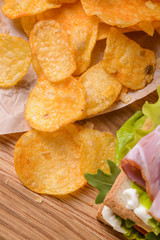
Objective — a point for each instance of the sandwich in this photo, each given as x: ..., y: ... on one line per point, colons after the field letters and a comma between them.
x: 130, y: 194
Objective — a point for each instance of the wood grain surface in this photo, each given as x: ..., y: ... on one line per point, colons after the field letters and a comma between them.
x: 25, y: 215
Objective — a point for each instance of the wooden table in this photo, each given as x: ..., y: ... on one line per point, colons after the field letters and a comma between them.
x: 29, y: 216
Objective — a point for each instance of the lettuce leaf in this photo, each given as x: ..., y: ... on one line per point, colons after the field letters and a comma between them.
x: 143, y: 196
x: 131, y: 131
x: 146, y: 202
x: 153, y: 111
x: 126, y: 134
x: 155, y: 225
x: 131, y: 232
x: 152, y: 236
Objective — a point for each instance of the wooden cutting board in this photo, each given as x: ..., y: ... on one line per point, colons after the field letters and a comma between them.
x: 25, y: 215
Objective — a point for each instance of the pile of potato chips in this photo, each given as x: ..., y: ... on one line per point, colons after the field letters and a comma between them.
x: 54, y: 163
x: 54, y: 155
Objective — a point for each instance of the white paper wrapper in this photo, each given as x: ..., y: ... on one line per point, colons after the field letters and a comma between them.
x: 12, y: 100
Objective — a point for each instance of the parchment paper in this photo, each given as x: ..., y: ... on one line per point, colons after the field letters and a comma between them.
x: 12, y: 100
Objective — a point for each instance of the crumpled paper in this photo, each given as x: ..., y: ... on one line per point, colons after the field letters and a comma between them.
x: 12, y: 100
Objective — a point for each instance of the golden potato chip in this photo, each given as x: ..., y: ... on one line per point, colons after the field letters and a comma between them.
x: 102, y: 89
x: 53, y: 105
x: 82, y: 31
x: 146, y: 27
x: 49, y: 163
x: 36, y: 65
x: 123, y: 13
x: 133, y: 65
x: 51, y: 45
x: 15, y: 9
x: 15, y: 59
x: 96, y: 148
x: 124, y: 96
x: 156, y: 25
x: 49, y: 14
x: 28, y: 23
x: 104, y: 29
x: 67, y: 1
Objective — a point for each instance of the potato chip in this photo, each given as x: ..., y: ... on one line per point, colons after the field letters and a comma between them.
x: 49, y: 163
x: 49, y: 14
x: 156, y: 25
x: 36, y: 65
x: 82, y: 31
x: 28, y: 23
x: 51, y: 45
x: 124, y: 96
x: 102, y: 89
x: 15, y: 9
x: 104, y: 29
x: 133, y: 65
x: 67, y: 1
x: 53, y: 105
x: 146, y: 27
x: 15, y: 59
x: 96, y: 148
x: 122, y: 13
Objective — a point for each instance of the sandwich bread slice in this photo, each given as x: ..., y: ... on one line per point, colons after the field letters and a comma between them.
x: 116, y: 201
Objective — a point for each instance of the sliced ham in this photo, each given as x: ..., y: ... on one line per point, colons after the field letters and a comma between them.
x: 142, y: 163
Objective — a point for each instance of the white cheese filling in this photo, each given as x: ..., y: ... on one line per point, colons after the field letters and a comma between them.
x: 132, y: 202
x: 131, y: 197
x: 109, y: 216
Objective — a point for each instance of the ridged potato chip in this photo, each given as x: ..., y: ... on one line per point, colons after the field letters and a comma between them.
x: 82, y: 31
x: 133, y: 65
x: 15, y: 59
x: 49, y: 163
x: 28, y: 23
x: 123, y: 13
x: 102, y: 89
x: 96, y: 148
x: 51, y: 45
x: 15, y: 9
x: 54, y: 105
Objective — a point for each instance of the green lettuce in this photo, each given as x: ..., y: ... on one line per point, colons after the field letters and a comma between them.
x: 152, y: 236
x: 126, y: 134
x: 146, y: 202
x: 131, y: 131
x: 143, y: 196
x: 153, y: 111
x: 155, y: 225
x: 131, y: 232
